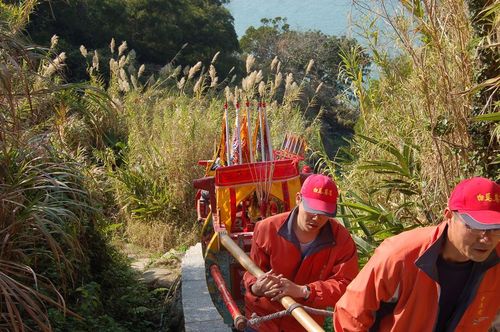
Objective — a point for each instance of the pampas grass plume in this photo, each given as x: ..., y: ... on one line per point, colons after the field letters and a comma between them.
x: 122, y: 48
x: 215, y: 57
x: 309, y: 66
x: 319, y: 87
x: 141, y: 70
x: 194, y: 70
x: 95, y: 60
x: 288, y: 81
x: 274, y: 63
x: 53, y: 41
x: 277, y: 80
x: 262, y: 88
x: 83, y: 51
x: 55, y: 65
x: 181, y: 83
x: 112, y: 45
x: 197, y: 85
x: 249, y: 63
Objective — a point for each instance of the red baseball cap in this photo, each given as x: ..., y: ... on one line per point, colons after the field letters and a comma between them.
x: 319, y: 195
x: 477, y: 200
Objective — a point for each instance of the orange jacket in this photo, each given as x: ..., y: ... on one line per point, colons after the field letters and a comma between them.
x: 398, y: 290
x: 327, y: 268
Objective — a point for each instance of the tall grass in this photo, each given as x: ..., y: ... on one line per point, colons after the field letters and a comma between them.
x: 414, y: 138
x: 172, y: 120
x: 43, y: 203
x: 53, y: 258
x: 44, y: 208
x: 425, y: 103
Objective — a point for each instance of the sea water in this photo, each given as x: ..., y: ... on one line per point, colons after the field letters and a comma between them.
x: 332, y: 17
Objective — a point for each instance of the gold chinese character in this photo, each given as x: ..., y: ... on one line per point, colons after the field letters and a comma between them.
x: 480, y: 197
x: 488, y: 197
x: 497, y: 198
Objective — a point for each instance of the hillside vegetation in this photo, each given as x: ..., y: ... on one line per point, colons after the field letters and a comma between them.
x: 421, y: 124
x: 112, y: 154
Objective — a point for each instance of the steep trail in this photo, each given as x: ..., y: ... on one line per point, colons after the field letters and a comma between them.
x: 200, y: 315
x: 160, y: 273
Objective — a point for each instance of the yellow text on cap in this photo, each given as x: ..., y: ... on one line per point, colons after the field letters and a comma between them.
x: 487, y: 198
x: 323, y: 191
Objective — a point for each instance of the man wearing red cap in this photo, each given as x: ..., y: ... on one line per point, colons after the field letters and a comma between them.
x: 305, y: 253
x: 440, y: 278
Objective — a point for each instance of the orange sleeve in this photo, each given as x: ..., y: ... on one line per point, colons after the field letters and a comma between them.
x: 259, y: 256
x: 377, y: 282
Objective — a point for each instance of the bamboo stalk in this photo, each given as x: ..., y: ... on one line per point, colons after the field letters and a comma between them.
x: 299, y: 313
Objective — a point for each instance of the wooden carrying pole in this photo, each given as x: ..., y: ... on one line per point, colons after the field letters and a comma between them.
x: 298, y: 313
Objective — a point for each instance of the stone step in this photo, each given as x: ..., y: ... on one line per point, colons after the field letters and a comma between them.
x: 200, y: 315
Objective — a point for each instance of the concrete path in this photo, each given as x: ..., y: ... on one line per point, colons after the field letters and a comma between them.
x: 200, y: 314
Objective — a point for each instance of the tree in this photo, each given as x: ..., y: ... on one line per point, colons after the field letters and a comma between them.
x: 161, y: 27
x: 156, y: 29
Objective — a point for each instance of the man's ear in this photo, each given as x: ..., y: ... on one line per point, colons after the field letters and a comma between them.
x: 298, y: 198
x: 448, y: 214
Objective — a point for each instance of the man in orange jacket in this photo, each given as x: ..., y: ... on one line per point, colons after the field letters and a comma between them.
x: 307, y: 254
x: 440, y: 278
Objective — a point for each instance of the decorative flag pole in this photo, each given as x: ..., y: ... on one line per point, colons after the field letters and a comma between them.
x: 295, y: 143
x: 228, y: 152
x: 249, y: 124
x: 287, y: 143
x: 299, y: 149
x: 268, y: 133
x: 283, y: 145
x: 238, y: 133
x: 261, y: 128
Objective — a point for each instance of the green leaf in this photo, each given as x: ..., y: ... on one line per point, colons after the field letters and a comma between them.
x: 112, y: 227
x: 494, y: 117
x: 364, y: 246
x: 361, y: 207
